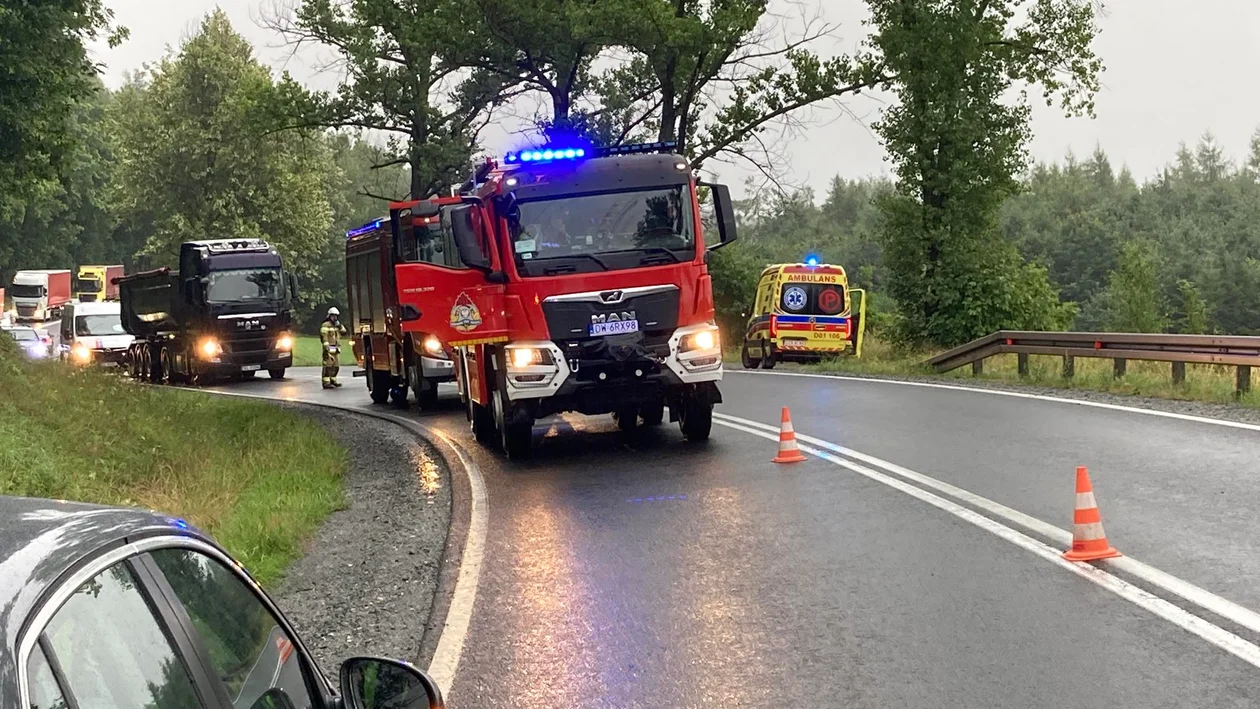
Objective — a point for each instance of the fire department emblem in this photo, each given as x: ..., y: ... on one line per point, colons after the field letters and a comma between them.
x: 464, y: 314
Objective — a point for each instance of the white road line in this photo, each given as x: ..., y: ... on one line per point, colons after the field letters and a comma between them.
x: 1016, y: 394
x: 458, y: 617
x: 1199, y: 596
x: 454, y: 632
x: 1214, y: 634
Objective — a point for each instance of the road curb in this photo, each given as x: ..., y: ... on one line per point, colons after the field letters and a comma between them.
x: 465, y: 539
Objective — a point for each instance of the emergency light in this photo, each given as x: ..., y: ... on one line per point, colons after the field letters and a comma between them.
x: 572, y: 153
x: 370, y: 226
x: 811, y: 260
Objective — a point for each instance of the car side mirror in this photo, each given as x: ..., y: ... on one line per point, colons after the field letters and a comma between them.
x: 725, y: 210
x: 408, y: 312
x: 378, y: 683
x: 464, y: 228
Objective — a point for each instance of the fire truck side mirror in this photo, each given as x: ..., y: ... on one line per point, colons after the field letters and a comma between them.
x: 464, y: 228
x: 724, y: 208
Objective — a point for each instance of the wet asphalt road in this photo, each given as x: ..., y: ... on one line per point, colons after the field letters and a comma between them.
x: 638, y: 570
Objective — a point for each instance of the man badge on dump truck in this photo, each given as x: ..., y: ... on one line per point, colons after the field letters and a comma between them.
x: 464, y: 314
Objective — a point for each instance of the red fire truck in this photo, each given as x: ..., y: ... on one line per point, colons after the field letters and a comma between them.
x: 384, y: 279
x: 580, y: 284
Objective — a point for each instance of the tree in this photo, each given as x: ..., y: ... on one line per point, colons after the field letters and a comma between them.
x: 1134, y: 292
x: 195, y: 162
x: 401, y: 79
x: 44, y: 71
x: 957, y: 145
x: 1192, y: 316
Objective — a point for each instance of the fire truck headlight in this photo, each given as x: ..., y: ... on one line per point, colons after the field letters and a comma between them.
x: 706, y: 339
x: 433, y: 346
x: 526, y: 356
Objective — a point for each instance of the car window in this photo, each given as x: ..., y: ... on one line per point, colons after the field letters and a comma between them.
x: 251, y: 652
x: 45, y: 693
x: 113, y: 652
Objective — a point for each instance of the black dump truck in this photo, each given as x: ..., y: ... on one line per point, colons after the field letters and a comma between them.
x: 226, y: 313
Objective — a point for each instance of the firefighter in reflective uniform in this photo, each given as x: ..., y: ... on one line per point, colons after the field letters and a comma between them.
x: 329, y: 336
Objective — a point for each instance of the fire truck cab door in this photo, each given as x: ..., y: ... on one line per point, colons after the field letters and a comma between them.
x: 456, y: 302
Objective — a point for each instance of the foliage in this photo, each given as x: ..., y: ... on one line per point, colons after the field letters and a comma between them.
x: 44, y: 71
x: 1133, y: 292
x: 194, y: 162
x: 260, y: 480
x: 957, y: 146
x: 402, y: 76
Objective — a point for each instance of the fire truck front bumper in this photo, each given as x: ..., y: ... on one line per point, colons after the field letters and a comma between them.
x: 611, y: 374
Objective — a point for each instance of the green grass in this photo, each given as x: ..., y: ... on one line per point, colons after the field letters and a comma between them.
x: 257, y: 478
x: 1204, y: 382
x: 307, y: 352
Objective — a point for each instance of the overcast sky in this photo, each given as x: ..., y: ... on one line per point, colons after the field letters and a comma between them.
x: 1174, y: 69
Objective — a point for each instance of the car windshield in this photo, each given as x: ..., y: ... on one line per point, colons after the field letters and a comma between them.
x: 23, y: 290
x: 245, y: 284
x: 604, y: 231
x: 87, y: 284
x: 98, y: 325
x: 23, y: 335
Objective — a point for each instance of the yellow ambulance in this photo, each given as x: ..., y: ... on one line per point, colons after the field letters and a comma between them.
x: 803, y: 312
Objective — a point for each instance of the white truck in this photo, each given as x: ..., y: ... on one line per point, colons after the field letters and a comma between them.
x: 40, y: 295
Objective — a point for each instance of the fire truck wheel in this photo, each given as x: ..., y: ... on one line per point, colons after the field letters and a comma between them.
x: 696, y: 420
x: 746, y: 358
x: 652, y: 414
x: 427, y: 395
x: 482, y: 423
x: 516, y: 437
x: 378, y: 386
x: 627, y: 419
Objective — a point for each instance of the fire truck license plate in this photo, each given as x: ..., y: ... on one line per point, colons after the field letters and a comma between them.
x: 617, y: 327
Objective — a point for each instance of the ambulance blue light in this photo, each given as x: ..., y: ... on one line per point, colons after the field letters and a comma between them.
x: 811, y: 260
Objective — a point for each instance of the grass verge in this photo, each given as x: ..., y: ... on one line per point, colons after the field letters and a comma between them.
x: 257, y: 478
x: 308, y: 352
x: 1204, y: 382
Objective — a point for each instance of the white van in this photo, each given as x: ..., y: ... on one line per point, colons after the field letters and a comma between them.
x: 92, y: 333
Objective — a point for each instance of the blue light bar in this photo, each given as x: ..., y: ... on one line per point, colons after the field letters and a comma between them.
x: 545, y: 155
x: 370, y: 226
x: 640, y: 148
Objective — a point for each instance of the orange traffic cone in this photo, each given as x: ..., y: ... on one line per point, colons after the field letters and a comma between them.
x: 788, y: 452
x: 1089, y: 542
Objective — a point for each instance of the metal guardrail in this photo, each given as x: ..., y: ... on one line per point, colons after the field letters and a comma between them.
x: 1240, y: 351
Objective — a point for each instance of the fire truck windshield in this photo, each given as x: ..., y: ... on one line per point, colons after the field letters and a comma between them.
x: 609, y: 231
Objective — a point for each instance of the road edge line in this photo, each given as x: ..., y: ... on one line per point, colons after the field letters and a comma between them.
x: 1019, y: 395
x: 1204, y: 629
x: 454, y: 633
x: 1201, y: 597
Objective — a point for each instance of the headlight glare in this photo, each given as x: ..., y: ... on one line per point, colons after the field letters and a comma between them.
x: 703, y: 340
x: 284, y: 343
x: 81, y: 352
x: 433, y: 346
x: 209, y: 348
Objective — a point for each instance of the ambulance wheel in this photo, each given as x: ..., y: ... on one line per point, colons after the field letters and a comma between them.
x: 746, y: 358
x: 771, y: 358
x: 696, y: 420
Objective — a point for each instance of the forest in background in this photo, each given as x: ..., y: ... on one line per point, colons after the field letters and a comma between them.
x: 1177, y: 252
